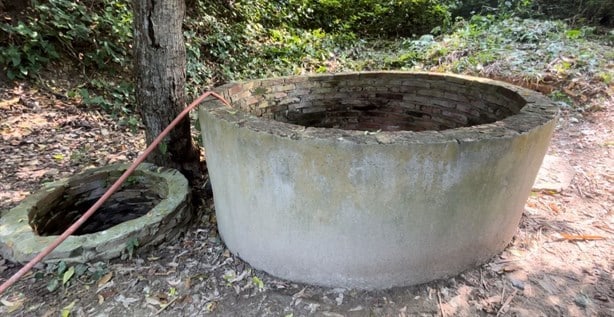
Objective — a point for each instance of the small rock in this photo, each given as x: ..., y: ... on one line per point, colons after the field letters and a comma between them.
x: 517, y: 284
x: 313, y: 307
x: 573, y: 120
x: 126, y: 301
x: 581, y: 300
x: 357, y: 308
x: 339, y: 299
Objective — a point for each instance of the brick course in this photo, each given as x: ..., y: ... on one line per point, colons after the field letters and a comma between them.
x: 387, y: 101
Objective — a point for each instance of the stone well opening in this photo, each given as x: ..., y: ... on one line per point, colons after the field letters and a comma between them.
x: 373, y: 179
x: 135, y: 198
x: 152, y: 205
x: 378, y: 102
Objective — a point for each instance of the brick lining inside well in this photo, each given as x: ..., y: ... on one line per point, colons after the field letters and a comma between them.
x: 374, y: 102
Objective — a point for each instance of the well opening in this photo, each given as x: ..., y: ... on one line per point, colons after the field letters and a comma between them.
x: 152, y: 206
x: 378, y: 102
x: 135, y: 198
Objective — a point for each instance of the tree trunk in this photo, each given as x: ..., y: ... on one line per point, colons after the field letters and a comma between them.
x: 160, y: 59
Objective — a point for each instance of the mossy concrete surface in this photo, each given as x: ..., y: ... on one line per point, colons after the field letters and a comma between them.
x: 20, y: 243
x: 372, y: 209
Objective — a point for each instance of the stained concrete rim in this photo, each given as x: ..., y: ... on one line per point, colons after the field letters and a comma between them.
x: 15, y: 231
x: 537, y: 111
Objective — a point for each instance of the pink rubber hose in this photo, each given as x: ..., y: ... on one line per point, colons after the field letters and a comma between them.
x: 39, y: 257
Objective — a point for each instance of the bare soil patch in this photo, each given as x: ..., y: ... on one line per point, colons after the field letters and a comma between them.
x: 560, y: 263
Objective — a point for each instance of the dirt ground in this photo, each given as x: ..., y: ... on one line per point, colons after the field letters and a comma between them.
x: 560, y: 263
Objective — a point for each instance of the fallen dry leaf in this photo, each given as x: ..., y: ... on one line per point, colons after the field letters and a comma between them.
x: 153, y: 300
x: 516, y: 252
x: 504, y: 267
x: 6, y: 104
x: 126, y: 301
x: 580, y: 237
x: 105, y: 279
x: 489, y: 304
x: 14, y: 303
x: 506, y: 304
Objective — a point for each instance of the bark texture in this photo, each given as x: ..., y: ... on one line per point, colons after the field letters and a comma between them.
x: 160, y: 81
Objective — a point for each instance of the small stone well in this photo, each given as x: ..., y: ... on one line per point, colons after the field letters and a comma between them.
x: 372, y: 180
x: 150, y: 207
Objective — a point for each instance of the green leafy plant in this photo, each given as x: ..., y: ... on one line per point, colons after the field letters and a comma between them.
x: 130, y: 248
x: 172, y: 292
x: 66, y: 310
x: 163, y: 148
x: 68, y: 274
x: 561, y: 97
x: 364, y: 17
x: 258, y: 282
x: 62, y: 274
x: 26, y: 50
x: 114, y: 96
x: 92, y: 33
x: 98, y: 270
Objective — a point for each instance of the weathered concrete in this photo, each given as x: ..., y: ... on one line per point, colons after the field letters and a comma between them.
x: 303, y: 200
x: 20, y: 243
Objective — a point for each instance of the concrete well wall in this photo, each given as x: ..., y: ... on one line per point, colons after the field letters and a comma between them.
x: 372, y: 180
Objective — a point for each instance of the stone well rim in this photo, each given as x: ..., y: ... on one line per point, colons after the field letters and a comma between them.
x: 19, y: 242
x: 537, y: 111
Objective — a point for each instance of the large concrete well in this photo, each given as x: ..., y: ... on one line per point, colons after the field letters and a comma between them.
x: 372, y: 180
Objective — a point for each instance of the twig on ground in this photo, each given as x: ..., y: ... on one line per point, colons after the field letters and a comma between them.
x: 164, y: 307
x: 482, y: 282
x: 507, y: 302
x: 443, y: 314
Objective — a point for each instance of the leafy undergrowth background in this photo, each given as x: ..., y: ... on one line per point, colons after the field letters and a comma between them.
x: 61, y: 116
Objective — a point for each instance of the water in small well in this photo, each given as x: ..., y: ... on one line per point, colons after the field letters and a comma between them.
x: 130, y: 202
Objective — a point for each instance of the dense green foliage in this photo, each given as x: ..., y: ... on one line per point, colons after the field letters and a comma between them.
x: 588, y: 11
x: 593, y: 11
x: 362, y: 17
x: 229, y: 40
x: 96, y: 33
x: 549, y: 56
x: 264, y: 38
